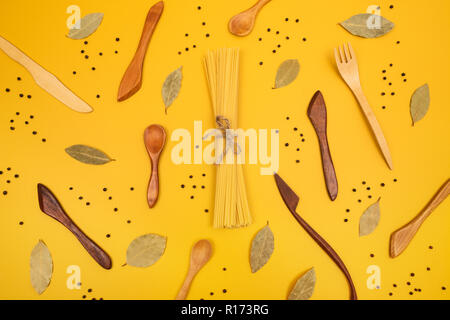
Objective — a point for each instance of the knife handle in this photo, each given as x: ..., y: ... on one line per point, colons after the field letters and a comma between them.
x: 328, y: 167
x: 14, y: 53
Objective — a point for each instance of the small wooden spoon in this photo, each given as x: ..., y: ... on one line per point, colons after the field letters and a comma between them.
x: 154, y: 139
x: 132, y: 79
x: 242, y: 24
x: 200, y: 255
x: 401, y: 238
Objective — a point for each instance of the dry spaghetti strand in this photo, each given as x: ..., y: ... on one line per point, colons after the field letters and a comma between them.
x: 222, y: 73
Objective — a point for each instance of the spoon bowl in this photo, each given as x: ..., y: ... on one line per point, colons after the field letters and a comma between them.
x: 242, y: 24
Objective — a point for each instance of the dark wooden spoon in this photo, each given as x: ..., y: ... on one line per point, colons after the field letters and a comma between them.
x: 51, y: 207
x: 132, y: 79
x: 154, y: 139
x: 317, y: 113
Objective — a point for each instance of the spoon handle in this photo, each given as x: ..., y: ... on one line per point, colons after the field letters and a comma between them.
x: 182, y: 294
x: 261, y: 3
x: 153, y: 185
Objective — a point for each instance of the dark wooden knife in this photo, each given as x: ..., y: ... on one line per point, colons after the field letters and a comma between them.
x: 132, y: 79
x: 291, y: 200
x: 317, y: 113
x: 51, y: 207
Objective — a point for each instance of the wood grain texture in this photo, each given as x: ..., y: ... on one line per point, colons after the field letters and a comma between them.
x: 401, y: 238
x: 51, y: 207
x: 348, y: 68
x: 317, y: 113
x: 154, y: 140
x: 242, y: 24
x: 132, y: 79
x: 45, y: 79
x: 200, y: 255
x: 291, y: 200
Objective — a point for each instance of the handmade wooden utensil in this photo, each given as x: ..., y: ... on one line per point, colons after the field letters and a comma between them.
x: 200, y: 255
x: 132, y: 79
x: 51, y: 207
x: 317, y: 113
x: 348, y: 68
x: 242, y: 24
x: 45, y: 79
x: 291, y: 201
x: 401, y: 238
x: 154, y: 139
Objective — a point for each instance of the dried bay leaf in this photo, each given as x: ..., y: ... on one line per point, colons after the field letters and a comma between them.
x: 145, y: 250
x: 41, y: 267
x: 88, y: 24
x: 420, y: 102
x: 361, y: 25
x: 304, y: 287
x: 369, y: 219
x: 262, y: 248
x: 287, y: 73
x: 88, y: 154
x: 171, y: 87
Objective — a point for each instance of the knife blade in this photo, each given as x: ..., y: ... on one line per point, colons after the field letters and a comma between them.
x: 291, y: 200
x: 45, y: 79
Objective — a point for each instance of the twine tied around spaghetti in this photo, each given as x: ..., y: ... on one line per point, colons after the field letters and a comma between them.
x: 224, y: 131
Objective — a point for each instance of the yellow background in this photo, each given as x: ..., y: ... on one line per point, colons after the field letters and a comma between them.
x: 421, y: 154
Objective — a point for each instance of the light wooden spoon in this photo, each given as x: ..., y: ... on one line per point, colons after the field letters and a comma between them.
x: 401, y: 238
x: 200, y: 255
x: 154, y: 139
x: 242, y: 24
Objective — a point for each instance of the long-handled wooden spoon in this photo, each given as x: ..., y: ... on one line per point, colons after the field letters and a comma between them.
x: 242, y: 24
x: 132, y: 79
x: 401, y: 238
x: 317, y: 113
x: 51, y: 207
x: 200, y: 255
x: 154, y: 139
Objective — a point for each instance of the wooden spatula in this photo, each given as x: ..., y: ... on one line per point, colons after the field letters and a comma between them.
x: 401, y: 238
x: 132, y: 79
x: 45, y: 79
x: 317, y: 113
x: 51, y: 207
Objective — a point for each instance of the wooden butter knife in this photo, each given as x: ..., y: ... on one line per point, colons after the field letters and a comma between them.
x: 45, y: 79
x: 132, y: 79
x: 51, y: 207
x: 317, y: 113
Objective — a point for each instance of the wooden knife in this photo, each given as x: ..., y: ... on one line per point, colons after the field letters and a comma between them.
x: 45, y: 79
x: 132, y: 79
x: 317, y: 113
x: 291, y: 201
x: 51, y: 207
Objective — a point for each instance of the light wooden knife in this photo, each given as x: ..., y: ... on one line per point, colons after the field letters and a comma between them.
x: 45, y: 79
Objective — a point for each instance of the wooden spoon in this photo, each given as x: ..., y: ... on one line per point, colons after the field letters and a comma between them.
x: 401, y: 238
x: 200, y: 255
x: 154, y: 139
x: 132, y: 79
x: 317, y: 113
x: 51, y: 207
x: 242, y: 24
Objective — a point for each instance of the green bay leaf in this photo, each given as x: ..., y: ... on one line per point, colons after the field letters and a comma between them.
x: 171, y: 87
x: 146, y: 250
x: 420, y: 103
x: 361, y: 25
x: 287, y: 72
x: 262, y: 248
x: 88, y: 25
x: 369, y: 219
x: 88, y: 154
x: 304, y: 287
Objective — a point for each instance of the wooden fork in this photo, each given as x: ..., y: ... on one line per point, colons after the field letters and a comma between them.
x: 348, y: 68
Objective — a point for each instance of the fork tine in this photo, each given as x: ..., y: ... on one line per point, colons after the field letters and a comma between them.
x: 337, y: 57
x: 343, y: 58
x: 347, y: 53
x: 352, y: 52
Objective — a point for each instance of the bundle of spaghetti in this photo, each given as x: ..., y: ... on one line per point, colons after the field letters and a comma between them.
x: 231, y: 205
